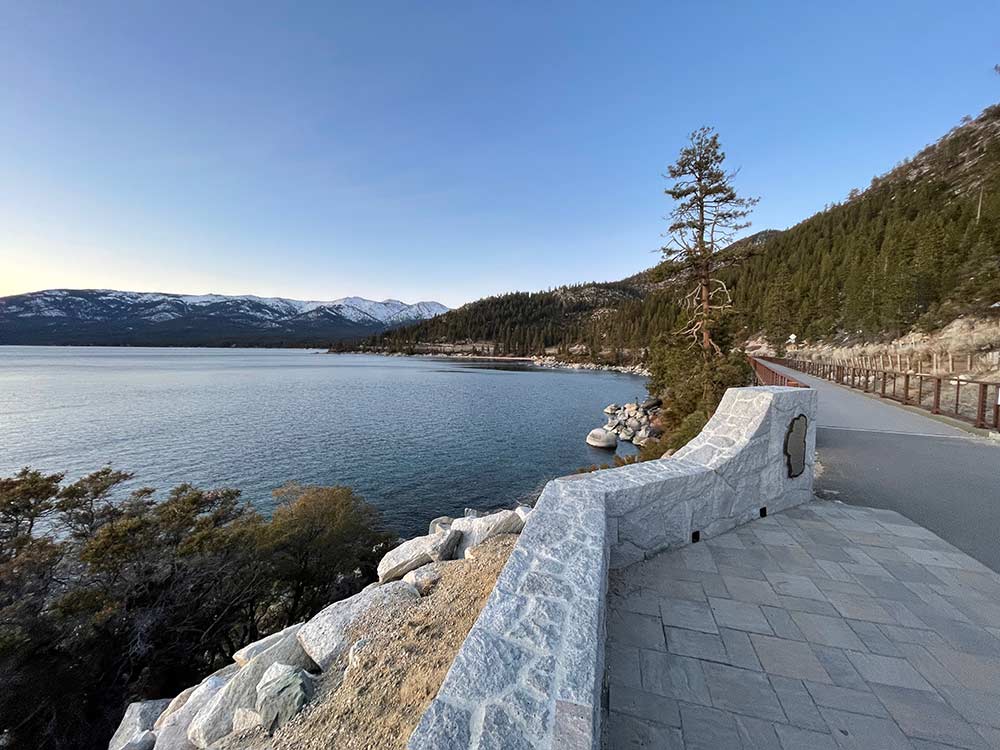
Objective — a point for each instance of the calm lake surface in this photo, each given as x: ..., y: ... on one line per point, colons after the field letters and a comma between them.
x: 417, y: 437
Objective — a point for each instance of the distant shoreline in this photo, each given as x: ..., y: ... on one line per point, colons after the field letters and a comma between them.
x: 550, y: 363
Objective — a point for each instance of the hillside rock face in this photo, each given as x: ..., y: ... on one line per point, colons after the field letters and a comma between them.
x: 100, y: 316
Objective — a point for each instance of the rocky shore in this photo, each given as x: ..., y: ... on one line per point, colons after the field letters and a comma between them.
x: 631, y: 423
x: 273, y: 679
x: 554, y: 363
x: 548, y: 362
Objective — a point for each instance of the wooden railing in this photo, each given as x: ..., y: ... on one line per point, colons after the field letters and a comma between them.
x: 974, y: 401
x: 765, y: 375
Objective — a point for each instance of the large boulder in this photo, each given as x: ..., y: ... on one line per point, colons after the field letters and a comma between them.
x: 215, y: 720
x: 423, y: 578
x: 478, y: 530
x: 174, y: 706
x: 326, y: 636
x: 611, y: 408
x: 139, y: 718
x: 417, y: 552
x: 172, y: 732
x: 523, y: 511
x: 172, y: 726
x: 281, y: 693
x: 248, y: 652
x: 601, y: 438
x: 652, y: 403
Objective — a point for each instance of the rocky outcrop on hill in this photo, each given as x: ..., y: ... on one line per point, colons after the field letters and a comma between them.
x: 272, y: 679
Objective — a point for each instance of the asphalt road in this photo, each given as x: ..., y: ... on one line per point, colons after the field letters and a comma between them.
x: 877, y: 454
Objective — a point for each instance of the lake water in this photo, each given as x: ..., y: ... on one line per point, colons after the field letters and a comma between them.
x: 416, y: 437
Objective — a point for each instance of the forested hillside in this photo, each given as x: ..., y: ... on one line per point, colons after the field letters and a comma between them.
x: 617, y: 314
x: 919, y: 247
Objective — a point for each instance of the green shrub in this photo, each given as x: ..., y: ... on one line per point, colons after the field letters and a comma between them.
x: 105, y: 600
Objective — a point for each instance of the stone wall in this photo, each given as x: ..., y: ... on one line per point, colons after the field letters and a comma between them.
x: 529, y: 673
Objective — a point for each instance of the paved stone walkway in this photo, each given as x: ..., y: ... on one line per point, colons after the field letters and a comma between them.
x: 827, y: 626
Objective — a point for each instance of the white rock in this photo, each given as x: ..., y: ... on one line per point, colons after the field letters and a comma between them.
x: 171, y: 733
x: 478, y: 530
x: 626, y: 434
x: 611, y: 408
x: 139, y: 717
x: 248, y: 652
x: 325, y: 636
x: 523, y: 511
x: 215, y: 720
x: 145, y: 740
x: 441, y: 523
x: 244, y: 720
x: 423, y: 578
x: 417, y: 552
x: 174, y: 706
x: 282, y: 692
x: 601, y: 438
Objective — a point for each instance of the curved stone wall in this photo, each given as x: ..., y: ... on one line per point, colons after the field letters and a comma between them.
x: 529, y: 673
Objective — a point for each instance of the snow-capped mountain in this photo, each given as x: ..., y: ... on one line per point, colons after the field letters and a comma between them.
x: 105, y: 316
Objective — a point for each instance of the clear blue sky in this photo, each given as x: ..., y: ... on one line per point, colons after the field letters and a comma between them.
x: 439, y: 150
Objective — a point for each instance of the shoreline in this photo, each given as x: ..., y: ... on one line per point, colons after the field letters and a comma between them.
x: 549, y: 363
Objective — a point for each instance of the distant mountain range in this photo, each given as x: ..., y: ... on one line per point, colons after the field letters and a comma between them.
x: 114, y: 318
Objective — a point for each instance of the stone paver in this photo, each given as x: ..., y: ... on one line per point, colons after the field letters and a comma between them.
x: 826, y: 626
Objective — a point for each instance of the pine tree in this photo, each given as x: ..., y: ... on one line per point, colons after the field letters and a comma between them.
x: 703, y: 223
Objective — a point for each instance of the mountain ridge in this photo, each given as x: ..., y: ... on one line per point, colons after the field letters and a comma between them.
x: 116, y: 317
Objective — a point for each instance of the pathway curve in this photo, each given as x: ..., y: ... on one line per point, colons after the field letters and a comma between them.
x: 877, y: 454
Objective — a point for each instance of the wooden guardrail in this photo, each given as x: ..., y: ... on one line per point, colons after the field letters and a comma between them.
x: 974, y: 401
x: 765, y: 375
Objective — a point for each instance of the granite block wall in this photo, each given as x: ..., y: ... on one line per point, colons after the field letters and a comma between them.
x: 529, y: 673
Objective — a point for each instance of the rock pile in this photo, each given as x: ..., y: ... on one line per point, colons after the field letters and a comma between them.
x: 631, y: 423
x: 272, y: 679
